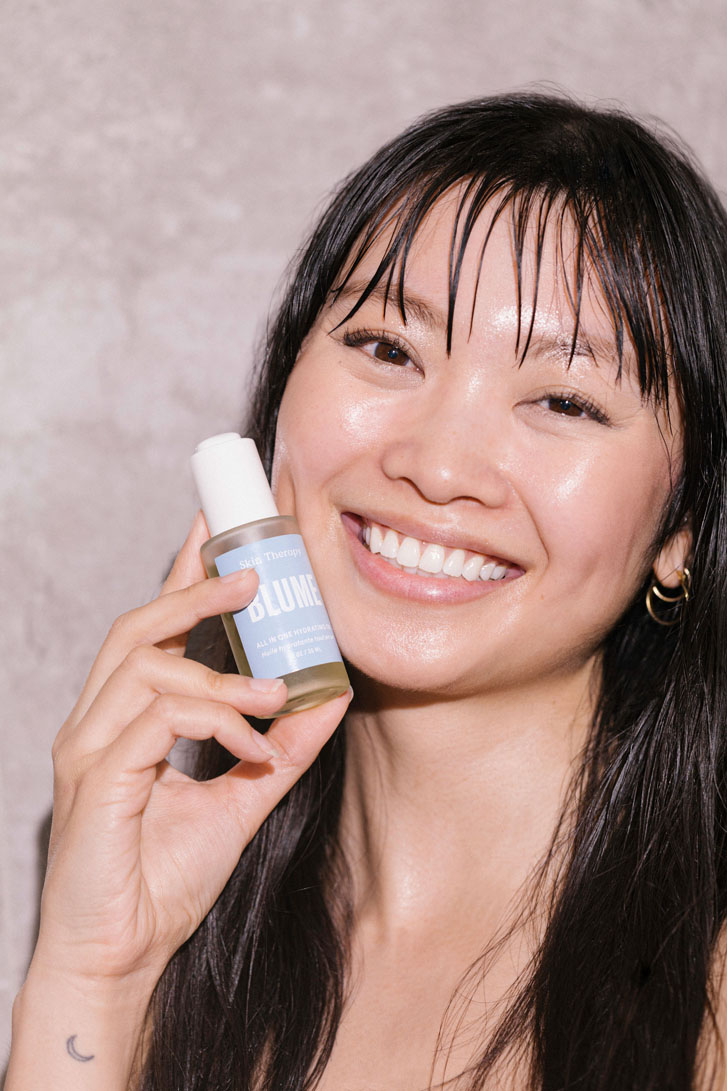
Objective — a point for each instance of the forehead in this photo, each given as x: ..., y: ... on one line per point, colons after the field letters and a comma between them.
x: 530, y: 278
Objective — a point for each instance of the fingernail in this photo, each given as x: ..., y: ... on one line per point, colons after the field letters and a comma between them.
x: 349, y: 692
x: 262, y: 744
x: 239, y: 574
x: 265, y: 685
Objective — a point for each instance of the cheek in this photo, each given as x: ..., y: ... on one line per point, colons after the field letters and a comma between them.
x: 322, y: 429
x: 604, y: 518
x: 303, y: 427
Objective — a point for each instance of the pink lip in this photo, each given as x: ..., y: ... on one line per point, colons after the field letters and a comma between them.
x: 394, y: 581
x: 449, y: 537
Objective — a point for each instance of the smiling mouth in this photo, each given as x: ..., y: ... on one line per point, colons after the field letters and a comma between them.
x: 417, y: 557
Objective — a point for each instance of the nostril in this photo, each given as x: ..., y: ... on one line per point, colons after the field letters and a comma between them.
x: 447, y: 473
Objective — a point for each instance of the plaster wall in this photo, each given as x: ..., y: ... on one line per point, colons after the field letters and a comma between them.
x: 159, y: 163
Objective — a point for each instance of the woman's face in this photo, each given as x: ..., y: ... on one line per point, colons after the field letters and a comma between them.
x: 536, y: 490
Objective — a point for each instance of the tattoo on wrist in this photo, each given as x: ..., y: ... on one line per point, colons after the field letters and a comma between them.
x: 73, y: 1052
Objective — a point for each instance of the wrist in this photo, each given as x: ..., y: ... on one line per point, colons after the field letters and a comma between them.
x: 93, y: 970
x: 72, y: 1033
x: 104, y: 999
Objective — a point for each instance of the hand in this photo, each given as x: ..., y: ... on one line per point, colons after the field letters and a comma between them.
x: 139, y: 852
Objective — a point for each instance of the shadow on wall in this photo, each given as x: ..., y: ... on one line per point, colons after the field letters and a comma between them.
x: 42, y: 842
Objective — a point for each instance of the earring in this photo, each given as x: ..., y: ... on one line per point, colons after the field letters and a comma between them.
x: 682, y: 595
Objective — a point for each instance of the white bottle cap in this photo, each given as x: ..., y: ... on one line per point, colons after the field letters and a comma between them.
x: 231, y: 482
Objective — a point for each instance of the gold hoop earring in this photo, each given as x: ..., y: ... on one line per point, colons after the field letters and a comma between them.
x: 682, y: 595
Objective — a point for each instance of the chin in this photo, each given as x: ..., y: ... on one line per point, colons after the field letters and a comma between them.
x: 422, y: 675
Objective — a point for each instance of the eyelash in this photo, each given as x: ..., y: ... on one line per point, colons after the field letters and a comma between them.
x: 359, y: 338
x: 362, y: 337
x: 580, y: 402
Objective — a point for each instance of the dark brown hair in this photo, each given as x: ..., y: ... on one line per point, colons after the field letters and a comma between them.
x: 619, y: 993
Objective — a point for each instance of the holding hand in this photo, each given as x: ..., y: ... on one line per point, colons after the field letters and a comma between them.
x: 139, y: 851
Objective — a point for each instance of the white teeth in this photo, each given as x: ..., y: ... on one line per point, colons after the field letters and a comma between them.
x: 432, y: 559
x: 471, y: 568
x: 408, y: 553
x: 454, y: 562
x: 390, y: 545
x: 428, y: 558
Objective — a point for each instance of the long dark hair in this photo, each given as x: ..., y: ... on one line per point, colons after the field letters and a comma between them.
x: 619, y: 995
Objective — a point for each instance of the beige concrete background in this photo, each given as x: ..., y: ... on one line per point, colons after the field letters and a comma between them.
x: 160, y: 160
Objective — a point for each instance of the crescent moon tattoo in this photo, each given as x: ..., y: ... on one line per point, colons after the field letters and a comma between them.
x: 71, y: 1047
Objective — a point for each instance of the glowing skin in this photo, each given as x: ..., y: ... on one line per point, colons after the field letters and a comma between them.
x: 471, y: 452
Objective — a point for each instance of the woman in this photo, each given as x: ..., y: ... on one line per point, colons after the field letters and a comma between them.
x: 495, y: 398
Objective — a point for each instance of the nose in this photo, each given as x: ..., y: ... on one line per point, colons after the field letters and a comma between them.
x: 449, y: 447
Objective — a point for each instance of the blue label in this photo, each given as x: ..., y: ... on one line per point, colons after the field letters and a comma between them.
x: 285, y: 628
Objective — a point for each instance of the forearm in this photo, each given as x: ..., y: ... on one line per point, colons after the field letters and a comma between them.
x: 75, y: 1038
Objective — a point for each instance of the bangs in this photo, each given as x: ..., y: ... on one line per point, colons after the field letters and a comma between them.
x: 592, y: 248
x: 624, y: 208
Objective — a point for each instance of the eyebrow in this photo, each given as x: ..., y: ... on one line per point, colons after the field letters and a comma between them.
x: 557, y: 344
x: 421, y: 309
x: 562, y: 344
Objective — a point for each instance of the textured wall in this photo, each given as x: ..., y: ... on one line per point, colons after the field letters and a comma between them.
x: 159, y: 164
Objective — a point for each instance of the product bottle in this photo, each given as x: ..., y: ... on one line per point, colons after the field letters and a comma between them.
x: 284, y: 632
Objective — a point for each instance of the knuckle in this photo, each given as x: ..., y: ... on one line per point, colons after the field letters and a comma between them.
x: 130, y: 628
x: 58, y: 745
x: 122, y: 626
x: 215, y: 684
x: 61, y: 764
x: 64, y: 755
x: 167, y: 707
x: 137, y: 660
x: 68, y: 768
x: 230, y: 718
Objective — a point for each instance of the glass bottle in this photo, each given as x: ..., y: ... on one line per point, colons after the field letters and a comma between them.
x: 285, y: 631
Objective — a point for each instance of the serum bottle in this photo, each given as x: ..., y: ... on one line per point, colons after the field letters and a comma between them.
x: 285, y: 631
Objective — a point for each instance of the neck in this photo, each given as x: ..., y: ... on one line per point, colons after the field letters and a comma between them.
x: 449, y: 805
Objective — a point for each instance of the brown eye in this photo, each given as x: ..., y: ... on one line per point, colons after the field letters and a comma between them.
x: 389, y: 354
x: 576, y: 408
x: 381, y: 346
x: 565, y: 407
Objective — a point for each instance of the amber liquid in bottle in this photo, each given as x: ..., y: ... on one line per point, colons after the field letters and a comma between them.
x: 308, y: 686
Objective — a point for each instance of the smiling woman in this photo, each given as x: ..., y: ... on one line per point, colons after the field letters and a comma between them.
x: 494, y: 397
x: 543, y: 466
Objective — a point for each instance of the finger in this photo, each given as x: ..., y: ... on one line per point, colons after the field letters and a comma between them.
x: 166, y: 677
x: 170, y: 615
x: 298, y: 739
x: 147, y: 673
x: 186, y: 570
x: 188, y: 567
x: 176, y: 612
x: 124, y: 773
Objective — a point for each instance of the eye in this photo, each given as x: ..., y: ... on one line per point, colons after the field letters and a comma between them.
x: 579, y: 408
x: 566, y: 406
x: 386, y: 348
x: 388, y: 353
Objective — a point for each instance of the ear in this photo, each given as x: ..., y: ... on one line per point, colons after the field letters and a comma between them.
x: 673, y: 557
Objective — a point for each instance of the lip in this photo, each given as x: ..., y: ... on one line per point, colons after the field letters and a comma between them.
x: 394, y: 581
x: 448, y: 537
